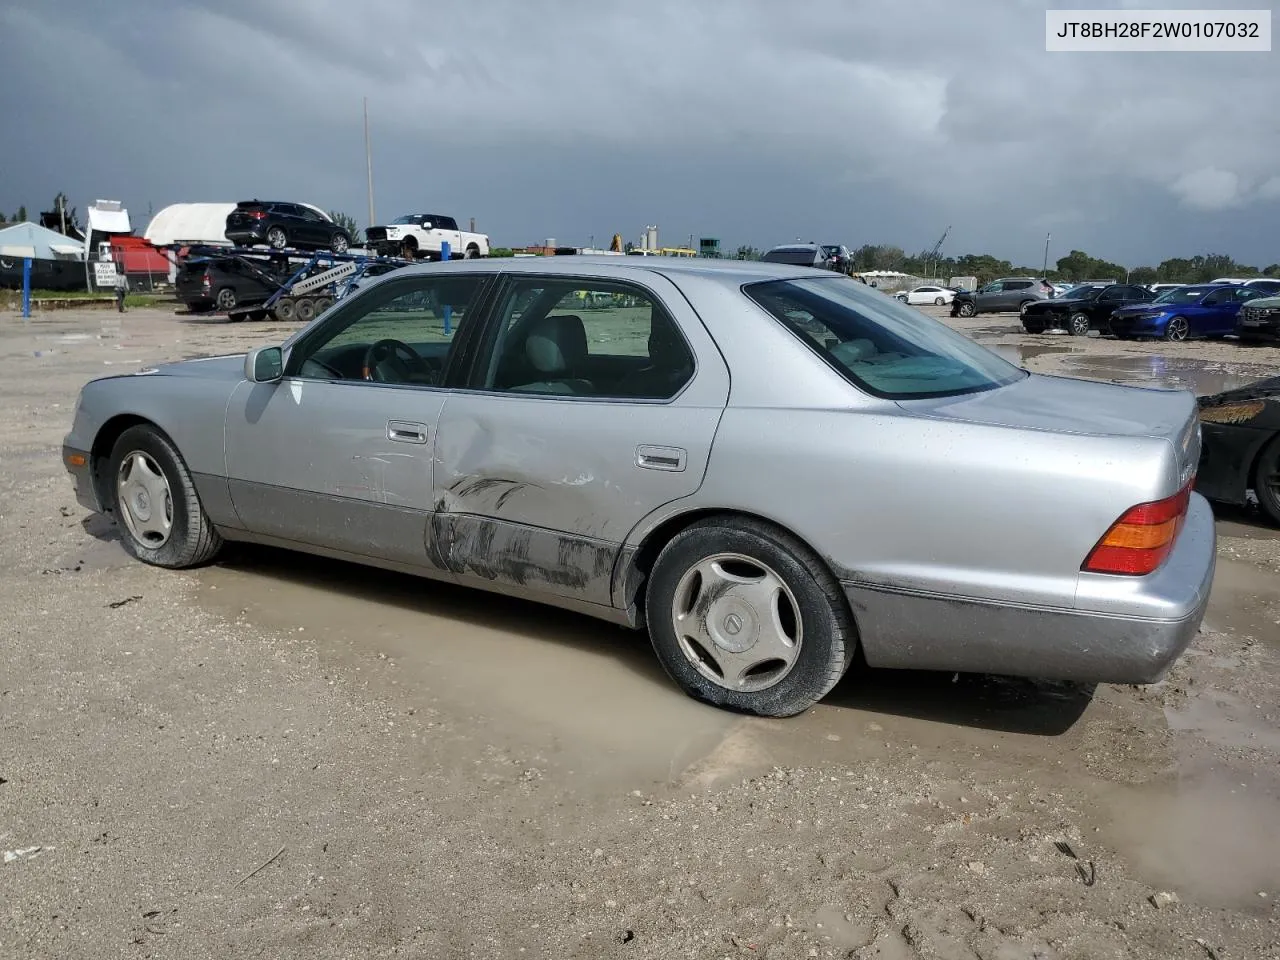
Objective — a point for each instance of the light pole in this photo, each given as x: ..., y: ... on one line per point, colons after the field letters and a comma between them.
x: 1046, y: 253
x: 368, y: 159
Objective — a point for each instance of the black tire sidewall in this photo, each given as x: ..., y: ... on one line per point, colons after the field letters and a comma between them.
x: 967, y: 310
x: 179, y: 546
x: 1268, y: 462
x: 1071, y: 325
x: 218, y: 299
x: 827, y: 635
x: 272, y: 232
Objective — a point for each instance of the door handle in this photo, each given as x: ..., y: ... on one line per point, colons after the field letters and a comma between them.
x: 661, y: 458
x: 406, y: 431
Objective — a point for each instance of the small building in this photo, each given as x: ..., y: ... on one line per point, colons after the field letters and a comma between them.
x: 57, y: 261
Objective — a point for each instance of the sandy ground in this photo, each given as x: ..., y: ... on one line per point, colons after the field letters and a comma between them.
x: 286, y: 757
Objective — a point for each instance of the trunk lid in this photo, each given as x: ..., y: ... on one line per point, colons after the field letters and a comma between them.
x: 1069, y: 405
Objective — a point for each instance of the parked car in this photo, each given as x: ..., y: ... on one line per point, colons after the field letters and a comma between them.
x: 423, y: 235
x: 938, y: 296
x: 1196, y: 310
x: 531, y: 449
x: 999, y: 296
x: 797, y: 254
x: 838, y: 257
x: 1158, y: 288
x: 1259, y: 320
x: 1241, y: 446
x: 1082, y: 308
x: 283, y: 225
x: 205, y: 283
x: 1268, y: 285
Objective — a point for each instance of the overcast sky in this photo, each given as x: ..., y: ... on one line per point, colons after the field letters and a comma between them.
x: 755, y: 122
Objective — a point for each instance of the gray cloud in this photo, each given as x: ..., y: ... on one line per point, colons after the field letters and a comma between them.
x: 756, y: 122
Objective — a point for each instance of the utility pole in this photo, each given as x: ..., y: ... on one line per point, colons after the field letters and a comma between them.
x: 1046, y: 254
x: 368, y: 159
x: 62, y: 213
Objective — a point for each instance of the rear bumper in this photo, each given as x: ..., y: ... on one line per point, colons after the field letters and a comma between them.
x: 1040, y: 322
x: 1139, y: 629
x: 244, y: 234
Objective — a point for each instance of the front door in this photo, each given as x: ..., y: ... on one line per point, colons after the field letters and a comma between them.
x: 593, y: 402
x: 337, y: 454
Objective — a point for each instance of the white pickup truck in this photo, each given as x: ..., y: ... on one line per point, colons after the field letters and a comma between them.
x: 422, y: 235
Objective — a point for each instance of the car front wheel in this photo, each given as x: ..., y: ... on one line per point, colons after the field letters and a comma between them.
x: 162, y: 521
x: 1078, y: 325
x: 1176, y: 329
x: 966, y: 310
x: 745, y: 617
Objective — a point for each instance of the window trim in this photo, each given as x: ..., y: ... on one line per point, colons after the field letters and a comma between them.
x: 483, y: 345
x: 455, y: 363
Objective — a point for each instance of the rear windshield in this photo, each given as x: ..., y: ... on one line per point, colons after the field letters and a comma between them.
x: 882, y: 346
x: 802, y: 257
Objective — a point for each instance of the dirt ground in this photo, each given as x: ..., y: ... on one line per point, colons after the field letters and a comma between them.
x: 285, y: 757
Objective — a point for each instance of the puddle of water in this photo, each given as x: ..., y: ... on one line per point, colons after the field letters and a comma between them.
x: 1021, y: 353
x: 586, y: 694
x: 1201, y: 377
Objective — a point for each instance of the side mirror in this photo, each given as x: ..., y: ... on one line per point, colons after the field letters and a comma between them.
x: 264, y: 364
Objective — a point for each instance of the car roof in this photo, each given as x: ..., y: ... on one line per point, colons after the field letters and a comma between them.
x: 723, y: 271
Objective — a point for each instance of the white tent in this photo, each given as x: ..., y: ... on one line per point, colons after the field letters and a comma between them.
x: 186, y: 224
x: 32, y: 240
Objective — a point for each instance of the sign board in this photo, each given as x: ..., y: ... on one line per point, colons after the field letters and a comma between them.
x: 104, y: 273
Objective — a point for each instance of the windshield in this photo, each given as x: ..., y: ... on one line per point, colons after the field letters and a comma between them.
x: 1181, y: 295
x: 1082, y: 293
x: 410, y: 218
x: 884, y: 347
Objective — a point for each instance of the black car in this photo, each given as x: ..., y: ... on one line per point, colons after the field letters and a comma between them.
x: 1083, y: 308
x: 798, y: 254
x: 1259, y: 321
x: 1240, y: 446
x: 225, y: 283
x: 284, y: 225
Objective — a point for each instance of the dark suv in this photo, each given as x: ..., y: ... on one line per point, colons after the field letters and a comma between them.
x: 1000, y: 296
x: 1083, y: 308
x: 224, y: 283
x: 800, y: 255
x: 281, y: 225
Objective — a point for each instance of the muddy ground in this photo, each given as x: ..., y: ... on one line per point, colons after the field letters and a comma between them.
x: 287, y: 757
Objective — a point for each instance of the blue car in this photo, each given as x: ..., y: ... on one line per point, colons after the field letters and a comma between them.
x: 1196, y: 310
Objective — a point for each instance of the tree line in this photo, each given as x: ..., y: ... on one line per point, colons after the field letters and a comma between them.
x: 1075, y: 266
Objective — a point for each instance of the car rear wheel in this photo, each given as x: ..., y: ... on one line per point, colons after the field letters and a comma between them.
x: 161, y: 519
x: 1266, y: 480
x: 745, y: 617
x: 276, y: 238
x: 339, y: 243
x: 966, y: 310
x: 472, y: 252
x: 1078, y: 325
x: 226, y: 299
x: 939, y: 301
x: 1176, y: 329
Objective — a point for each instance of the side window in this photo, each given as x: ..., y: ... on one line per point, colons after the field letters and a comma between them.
x: 995, y: 287
x: 398, y: 332
x: 1217, y: 297
x: 586, y: 338
x: 1017, y: 285
x: 446, y: 223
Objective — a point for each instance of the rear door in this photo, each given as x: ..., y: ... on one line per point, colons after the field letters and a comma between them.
x: 592, y: 402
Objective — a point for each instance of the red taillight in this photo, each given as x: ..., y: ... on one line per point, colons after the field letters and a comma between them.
x: 206, y: 282
x: 257, y: 215
x: 1141, y: 539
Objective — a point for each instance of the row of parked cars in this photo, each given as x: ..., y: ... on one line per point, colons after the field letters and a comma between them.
x: 1224, y: 307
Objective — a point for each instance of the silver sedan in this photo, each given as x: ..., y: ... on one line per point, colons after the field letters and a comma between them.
x: 772, y: 469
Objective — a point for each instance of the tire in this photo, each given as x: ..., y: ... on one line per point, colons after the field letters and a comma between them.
x: 285, y: 309
x: 1078, y: 324
x: 226, y: 300
x: 901, y: 298
x: 323, y: 304
x: 1022, y: 307
x: 811, y: 614
x: 966, y: 310
x: 277, y: 239
x: 1266, y: 480
x: 340, y: 243
x: 304, y: 308
x: 142, y: 463
x: 472, y: 252
x: 939, y: 301
x: 1177, y: 329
